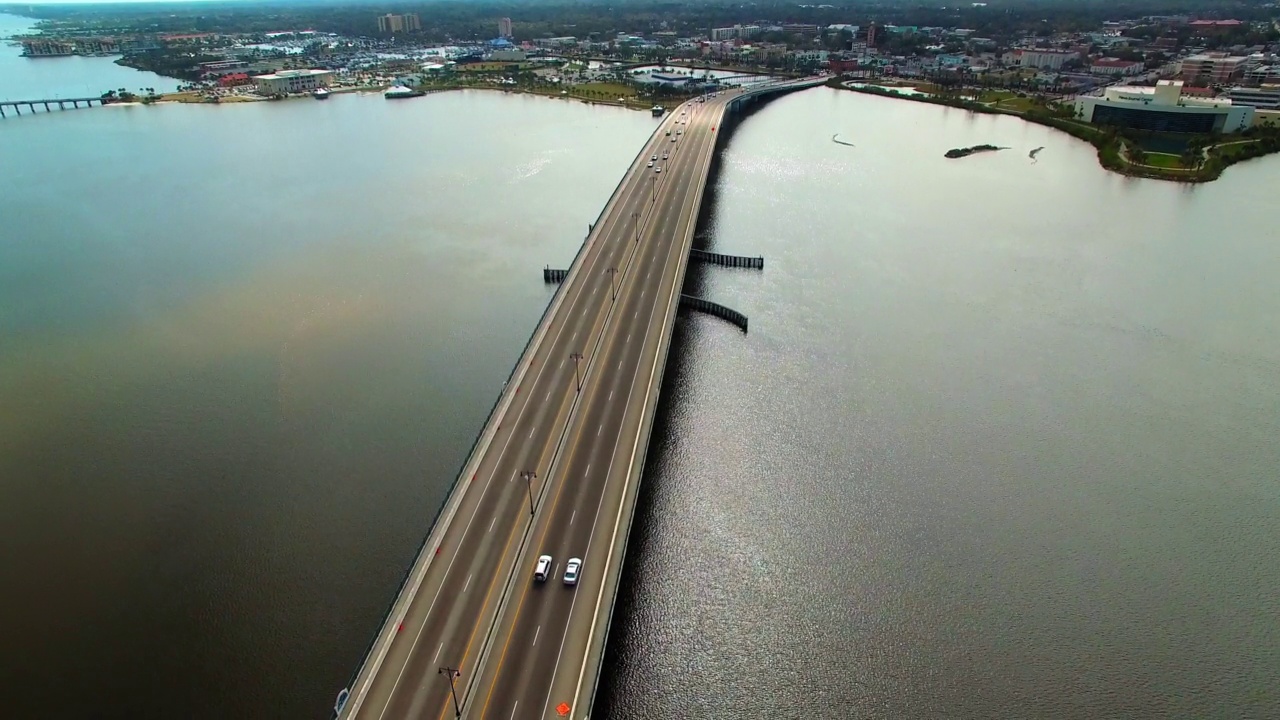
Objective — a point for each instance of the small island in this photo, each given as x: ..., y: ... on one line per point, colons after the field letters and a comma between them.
x: 966, y: 152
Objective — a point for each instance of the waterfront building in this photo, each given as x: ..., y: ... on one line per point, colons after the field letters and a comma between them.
x: 292, y: 81
x: 391, y: 24
x: 744, y: 32
x: 1163, y: 108
x: 47, y: 48
x: 1214, y: 68
x: 504, y: 27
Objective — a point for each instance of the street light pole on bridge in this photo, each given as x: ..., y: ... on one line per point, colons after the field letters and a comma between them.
x: 576, y: 357
x: 529, y: 476
x: 453, y: 674
x: 613, y: 288
x: 635, y: 217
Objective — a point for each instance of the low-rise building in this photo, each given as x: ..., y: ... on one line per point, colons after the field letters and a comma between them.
x: 1213, y: 67
x: 1266, y: 97
x: 292, y: 81
x: 1163, y: 108
x: 1115, y: 67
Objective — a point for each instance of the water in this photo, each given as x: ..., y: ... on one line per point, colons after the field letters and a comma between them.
x: 1000, y: 441
x: 24, y: 78
x: 243, y: 351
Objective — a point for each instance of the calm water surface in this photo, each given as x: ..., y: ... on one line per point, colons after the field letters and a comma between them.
x: 243, y: 351
x: 1000, y: 443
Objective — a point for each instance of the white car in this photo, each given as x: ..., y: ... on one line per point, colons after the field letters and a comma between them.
x: 651, y: 162
x: 654, y: 158
x: 543, y: 569
x: 571, y: 571
x: 665, y: 155
x: 657, y: 169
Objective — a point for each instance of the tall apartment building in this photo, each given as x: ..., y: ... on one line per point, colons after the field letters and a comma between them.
x: 744, y: 32
x: 871, y: 35
x: 392, y: 24
x: 1213, y: 67
x: 504, y: 27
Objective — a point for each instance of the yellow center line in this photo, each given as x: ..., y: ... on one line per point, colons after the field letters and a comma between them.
x: 595, y: 382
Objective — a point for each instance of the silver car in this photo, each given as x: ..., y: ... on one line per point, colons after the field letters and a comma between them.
x: 571, y: 571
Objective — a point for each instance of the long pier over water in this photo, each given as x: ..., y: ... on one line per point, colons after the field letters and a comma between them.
x: 557, y: 467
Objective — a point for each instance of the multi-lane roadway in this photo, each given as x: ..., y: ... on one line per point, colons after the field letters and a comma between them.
x: 566, y: 453
x: 539, y: 656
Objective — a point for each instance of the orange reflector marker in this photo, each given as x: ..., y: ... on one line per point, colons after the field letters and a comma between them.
x: 563, y: 708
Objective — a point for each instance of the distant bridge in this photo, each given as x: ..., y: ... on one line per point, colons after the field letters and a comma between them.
x: 48, y: 103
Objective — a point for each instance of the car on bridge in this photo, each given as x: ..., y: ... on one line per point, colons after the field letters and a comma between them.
x: 543, y: 569
x: 571, y: 571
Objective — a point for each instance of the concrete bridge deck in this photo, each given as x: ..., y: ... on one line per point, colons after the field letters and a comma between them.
x: 556, y: 469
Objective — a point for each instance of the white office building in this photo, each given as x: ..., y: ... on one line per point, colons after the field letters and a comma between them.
x: 1163, y: 108
x: 292, y: 81
x: 1044, y: 59
x: 1266, y: 97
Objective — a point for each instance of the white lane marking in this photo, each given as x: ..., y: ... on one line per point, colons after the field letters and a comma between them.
x: 467, y: 584
x: 628, y: 337
x: 535, y: 635
x: 588, y: 472
x: 491, y: 522
x: 635, y: 314
x: 617, y: 521
x: 448, y: 569
x: 594, y: 289
x: 619, y: 364
x: 575, y: 336
x: 548, y: 397
x: 599, y: 428
x: 531, y: 433
x: 513, y: 709
x: 562, y: 362
x: 437, y: 657
x: 610, y: 394
x: 571, y: 517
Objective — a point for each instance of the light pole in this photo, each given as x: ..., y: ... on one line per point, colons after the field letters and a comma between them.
x: 529, y: 476
x: 577, y: 380
x: 653, y: 189
x: 613, y: 273
x: 635, y: 217
x: 453, y: 673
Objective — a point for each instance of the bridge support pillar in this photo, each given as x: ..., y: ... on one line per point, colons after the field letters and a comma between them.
x: 46, y: 107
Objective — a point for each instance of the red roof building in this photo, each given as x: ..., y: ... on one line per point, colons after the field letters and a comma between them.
x: 234, y: 79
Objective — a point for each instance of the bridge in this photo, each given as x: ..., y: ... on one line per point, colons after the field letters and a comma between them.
x: 48, y: 103
x: 556, y: 468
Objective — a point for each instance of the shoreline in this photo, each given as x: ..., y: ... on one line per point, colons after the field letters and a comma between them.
x: 1115, y: 151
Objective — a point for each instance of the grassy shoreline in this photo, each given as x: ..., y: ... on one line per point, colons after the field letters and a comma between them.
x: 1119, y: 152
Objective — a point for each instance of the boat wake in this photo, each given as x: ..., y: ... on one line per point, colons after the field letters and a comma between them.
x: 836, y: 139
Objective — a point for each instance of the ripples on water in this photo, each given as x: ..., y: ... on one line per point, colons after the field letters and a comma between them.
x: 1000, y: 442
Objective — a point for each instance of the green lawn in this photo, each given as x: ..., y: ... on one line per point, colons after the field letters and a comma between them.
x: 995, y: 96
x: 1164, y: 160
x: 1016, y: 103
x: 605, y: 90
